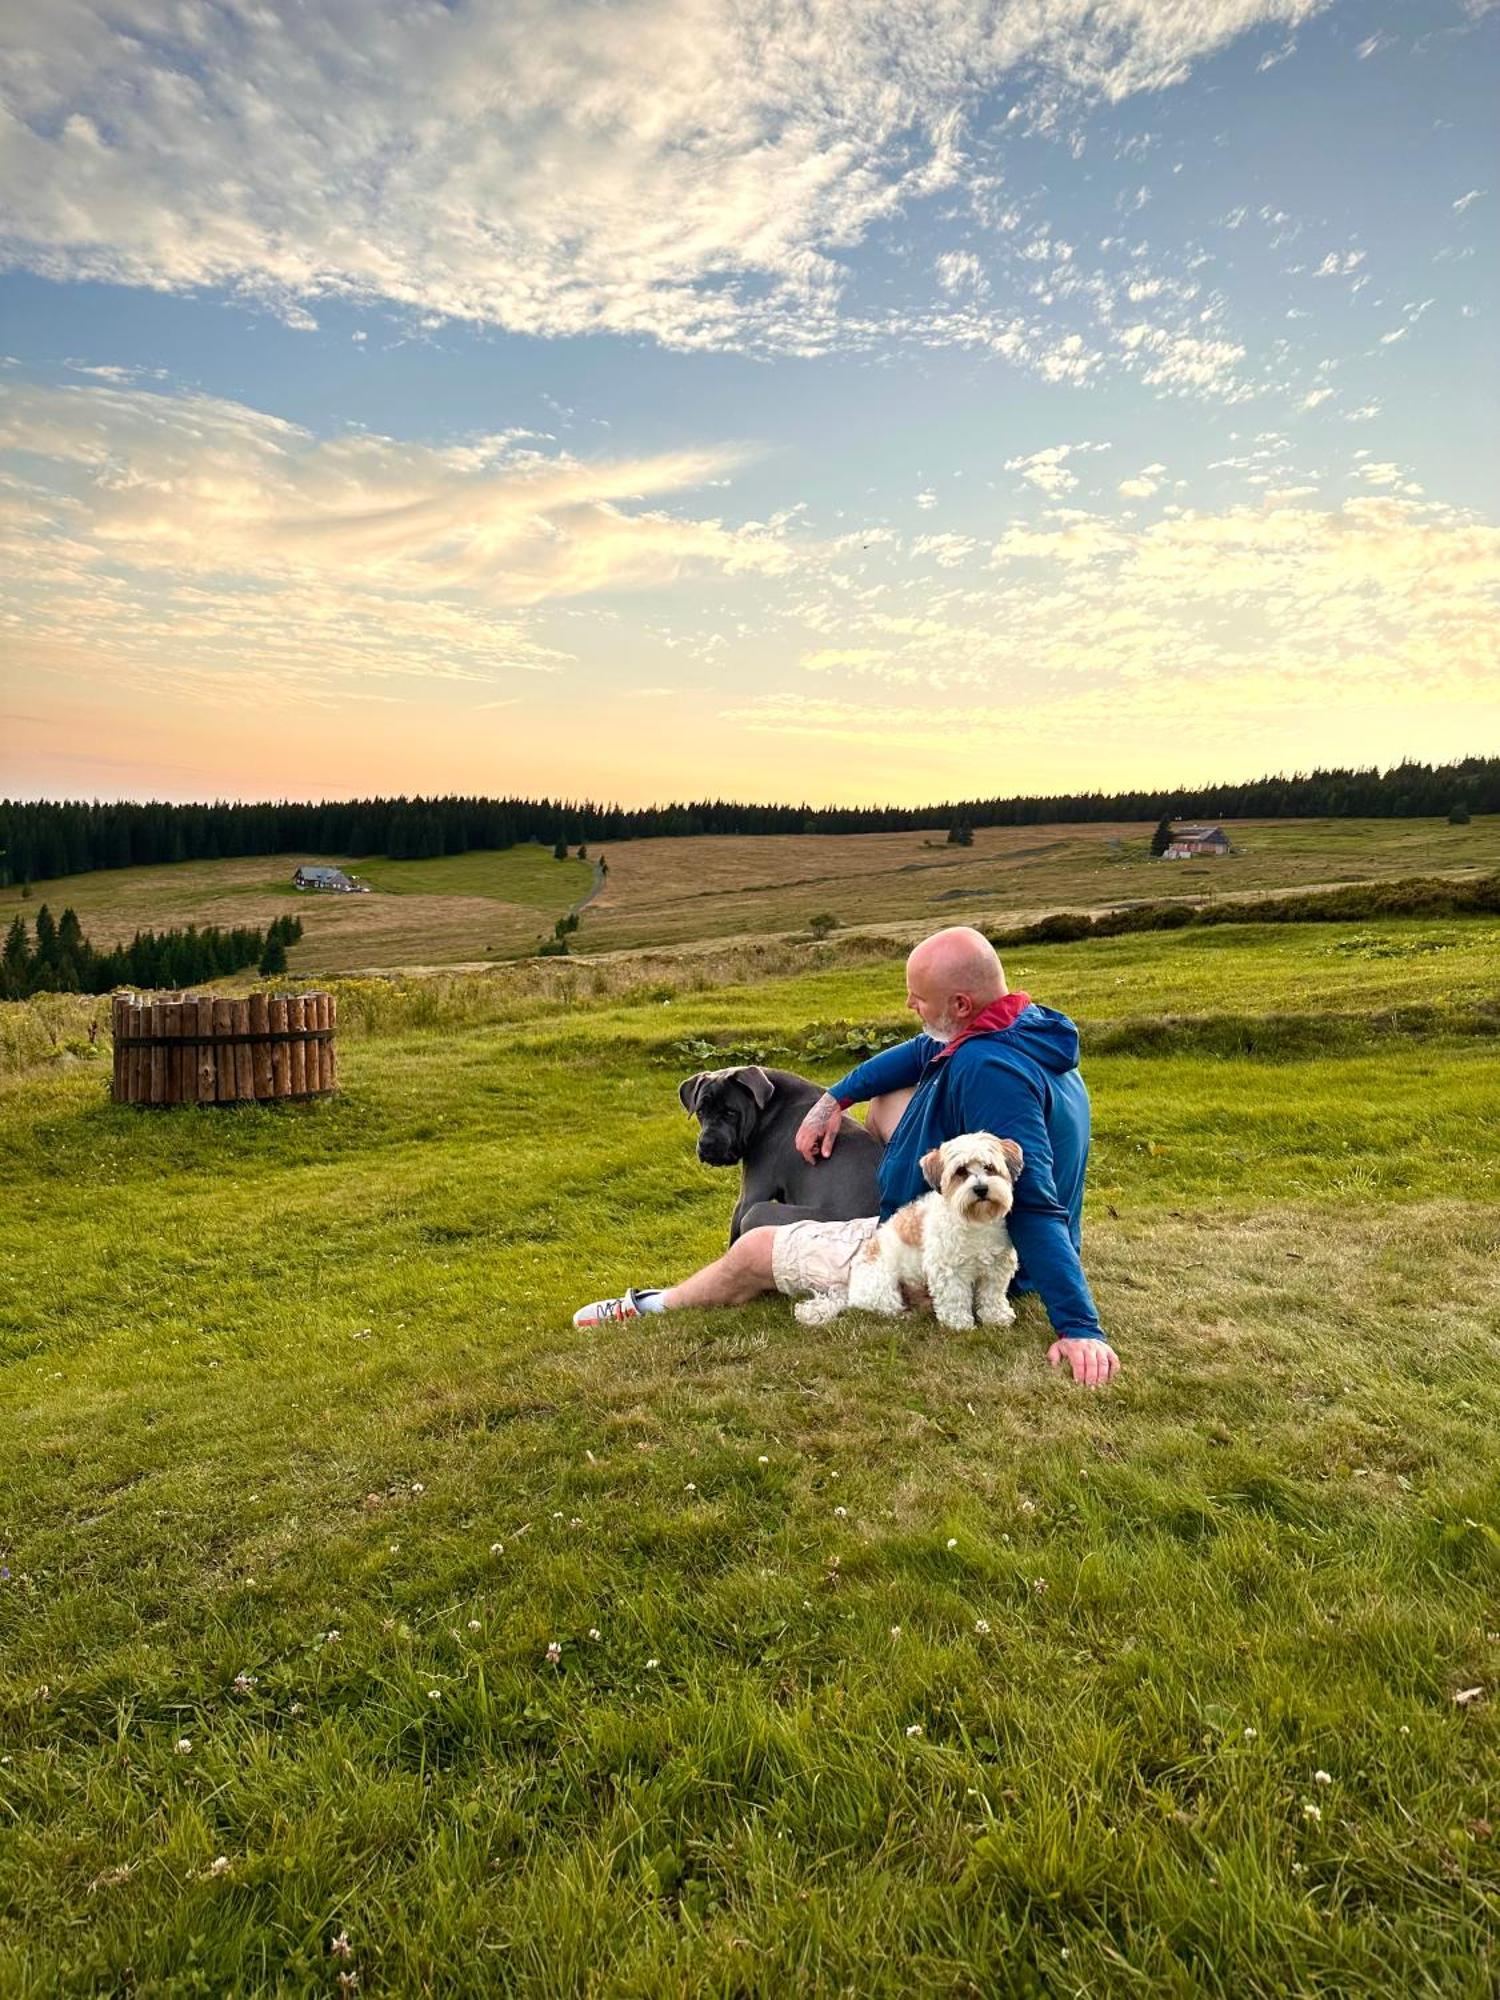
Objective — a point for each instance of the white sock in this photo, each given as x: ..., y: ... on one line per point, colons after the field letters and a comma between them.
x: 651, y: 1300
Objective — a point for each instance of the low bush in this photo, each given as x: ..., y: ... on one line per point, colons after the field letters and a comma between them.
x: 1417, y: 896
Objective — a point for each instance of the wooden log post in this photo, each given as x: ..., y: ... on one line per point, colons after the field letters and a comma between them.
x: 156, y: 1017
x: 223, y: 1051
x: 330, y: 1047
x: 175, y: 1050
x: 281, y: 1049
x: 297, y: 1047
x: 244, y: 1060
x: 137, y: 1067
x: 208, y: 1085
x: 260, y: 1049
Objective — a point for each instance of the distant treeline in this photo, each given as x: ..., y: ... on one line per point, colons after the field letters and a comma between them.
x: 60, y: 959
x: 44, y: 840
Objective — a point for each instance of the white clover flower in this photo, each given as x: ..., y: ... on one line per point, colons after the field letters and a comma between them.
x: 243, y: 1682
x: 554, y: 1653
x: 764, y: 1459
x: 219, y: 1865
x: 841, y: 1513
x: 914, y: 1729
x: 690, y: 1487
x: 417, y: 1486
x: 1310, y: 1811
x: 1028, y: 1506
x: 953, y: 1541
x: 982, y: 1627
x: 295, y: 1709
x: 332, y: 1638
x: 1039, y: 1585
x: 434, y: 1694
x: 595, y: 1633
x: 394, y: 1547
x: 652, y: 1663
x: 474, y: 1625
x: 1322, y: 1778
x: 895, y: 1631
x: 576, y: 1522
x: 497, y: 1548
x: 184, y: 1746
x: 340, y: 1946
x: 1251, y: 1734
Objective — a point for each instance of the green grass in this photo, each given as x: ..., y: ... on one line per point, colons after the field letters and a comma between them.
x: 269, y: 1377
x: 529, y: 875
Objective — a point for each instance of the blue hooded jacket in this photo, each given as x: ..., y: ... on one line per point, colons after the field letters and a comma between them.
x: 1021, y: 1083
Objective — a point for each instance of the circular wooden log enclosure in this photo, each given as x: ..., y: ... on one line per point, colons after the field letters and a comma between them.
x: 196, y: 1048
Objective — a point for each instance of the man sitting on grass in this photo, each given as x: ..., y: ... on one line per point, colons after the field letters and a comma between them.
x: 988, y: 1061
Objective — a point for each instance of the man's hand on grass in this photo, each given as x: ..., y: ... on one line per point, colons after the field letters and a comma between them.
x: 819, y: 1129
x: 1093, y: 1362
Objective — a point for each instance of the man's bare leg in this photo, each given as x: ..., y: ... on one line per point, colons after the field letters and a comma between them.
x: 884, y: 1114
x: 741, y: 1274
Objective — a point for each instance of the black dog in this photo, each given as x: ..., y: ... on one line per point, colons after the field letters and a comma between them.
x: 750, y: 1116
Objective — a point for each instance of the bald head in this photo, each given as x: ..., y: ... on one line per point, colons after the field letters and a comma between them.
x: 951, y: 977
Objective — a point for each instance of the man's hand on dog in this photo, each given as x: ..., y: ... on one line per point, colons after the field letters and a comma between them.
x: 1093, y: 1362
x: 819, y: 1129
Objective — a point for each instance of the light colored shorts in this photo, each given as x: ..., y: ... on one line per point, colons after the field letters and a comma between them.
x: 813, y: 1257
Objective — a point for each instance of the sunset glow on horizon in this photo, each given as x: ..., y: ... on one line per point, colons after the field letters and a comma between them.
x: 662, y: 400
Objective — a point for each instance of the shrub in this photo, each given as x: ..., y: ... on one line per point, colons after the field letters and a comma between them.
x: 1417, y: 896
x: 822, y: 924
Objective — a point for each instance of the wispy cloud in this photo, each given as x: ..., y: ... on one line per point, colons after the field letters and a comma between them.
x: 1047, y: 470
x: 694, y: 174
x: 155, y: 527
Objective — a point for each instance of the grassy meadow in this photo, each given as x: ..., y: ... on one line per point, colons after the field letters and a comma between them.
x: 887, y: 1662
x: 672, y: 894
x: 464, y: 907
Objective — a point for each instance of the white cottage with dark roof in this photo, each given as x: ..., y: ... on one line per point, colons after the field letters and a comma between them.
x: 329, y: 878
x: 1189, y: 842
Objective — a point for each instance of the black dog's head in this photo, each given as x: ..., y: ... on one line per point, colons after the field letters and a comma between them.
x: 727, y: 1104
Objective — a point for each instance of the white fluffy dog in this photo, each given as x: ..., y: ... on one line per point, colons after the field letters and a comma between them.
x: 952, y: 1242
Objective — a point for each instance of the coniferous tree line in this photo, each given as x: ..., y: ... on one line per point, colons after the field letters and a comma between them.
x: 42, y: 840
x: 58, y: 958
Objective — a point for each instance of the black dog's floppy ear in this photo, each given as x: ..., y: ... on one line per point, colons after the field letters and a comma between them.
x: 932, y: 1167
x: 1015, y: 1159
x: 691, y: 1090
x: 759, y: 1085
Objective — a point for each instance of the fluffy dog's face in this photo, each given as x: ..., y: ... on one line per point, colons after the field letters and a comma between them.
x: 975, y: 1174
x: 727, y: 1104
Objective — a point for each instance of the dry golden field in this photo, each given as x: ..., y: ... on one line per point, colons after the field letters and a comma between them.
x: 674, y: 891
x: 472, y: 909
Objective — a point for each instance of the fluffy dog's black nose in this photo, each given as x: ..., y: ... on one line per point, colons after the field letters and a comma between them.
x: 982, y: 1188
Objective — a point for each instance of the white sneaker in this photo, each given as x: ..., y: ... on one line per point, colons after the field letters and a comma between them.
x: 607, y: 1312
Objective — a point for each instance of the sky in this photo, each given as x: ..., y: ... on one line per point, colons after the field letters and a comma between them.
x: 763, y: 399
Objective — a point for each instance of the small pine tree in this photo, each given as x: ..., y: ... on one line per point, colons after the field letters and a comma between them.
x: 960, y: 834
x: 1458, y: 813
x: 822, y: 924
x: 273, y: 958
x: 583, y: 853
x: 1161, y: 840
x: 559, y: 850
